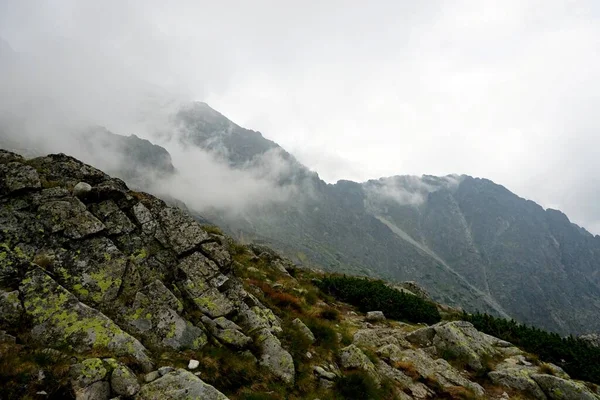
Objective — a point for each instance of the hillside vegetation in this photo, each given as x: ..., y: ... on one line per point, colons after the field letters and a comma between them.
x: 576, y: 356
x: 110, y: 293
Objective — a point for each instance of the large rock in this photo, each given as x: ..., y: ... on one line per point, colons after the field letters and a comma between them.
x: 124, y: 382
x: 182, y: 232
x: 144, y: 218
x: 302, y: 328
x: 393, y: 374
x: 82, y: 189
x: 67, y: 170
x: 379, y: 337
x: 69, y: 216
x: 59, y: 319
x: 517, y: 379
x: 11, y: 309
x: 440, y: 369
x: 87, y: 372
x: 351, y: 357
x: 179, y: 385
x: 256, y: 318
x: 227, y: 332
x: 115, y: 220
x: 274, y: 357
x: 96, y: 391
x: 93, y: 271
x: 561, y: 389
x: 375, y: 316
x: 152, y: 317
x: 16, y: 176
x: 196, y: 270
x: 460, y: 340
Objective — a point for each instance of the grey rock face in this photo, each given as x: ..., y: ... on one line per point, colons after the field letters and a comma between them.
x: 444, y: 373
x: 461, y: 340
x: 10, y: 307
x: 351, y: 357
x: 227, y: 332
x: 151, y: 376
x: 304, y: 329
x: 157, y: 323
x: 124, y: 382
x: 60, y: 319
x: 322, y: 373
x: 182, y: 232
x: 561, y: 389
x: 178, y: 385
x: 375, y: 316
x: 115, y: 220
x: 379, y: 337
x: 87, y: 372
x: 96, y: 391
x: 17, y: 176
x: 275, y: 357
x: 517, y: 379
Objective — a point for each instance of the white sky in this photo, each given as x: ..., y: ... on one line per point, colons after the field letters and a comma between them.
x: 507, y: 90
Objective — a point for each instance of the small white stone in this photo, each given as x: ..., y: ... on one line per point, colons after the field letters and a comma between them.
x: 81, y: 189
x: 193, y: 364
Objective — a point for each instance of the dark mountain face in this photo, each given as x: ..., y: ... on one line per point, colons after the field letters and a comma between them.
x: 136, y: 160
x: 204, y: 127
x: 470, y: 242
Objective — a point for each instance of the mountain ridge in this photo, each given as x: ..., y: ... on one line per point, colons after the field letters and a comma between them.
x: 470, y: 242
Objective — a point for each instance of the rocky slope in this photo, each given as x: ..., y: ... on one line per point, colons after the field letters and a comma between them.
x: 110, y: 293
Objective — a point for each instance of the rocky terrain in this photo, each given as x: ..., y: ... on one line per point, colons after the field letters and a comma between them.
x: 110, y: 293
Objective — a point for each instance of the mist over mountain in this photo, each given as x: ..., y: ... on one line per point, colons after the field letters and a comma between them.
x: 469, y: 241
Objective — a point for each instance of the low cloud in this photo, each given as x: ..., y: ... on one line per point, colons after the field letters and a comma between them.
x: 205, y: 181
x: 407, y: 190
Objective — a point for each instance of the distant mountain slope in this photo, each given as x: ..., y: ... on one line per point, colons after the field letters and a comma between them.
x: 469, y: 241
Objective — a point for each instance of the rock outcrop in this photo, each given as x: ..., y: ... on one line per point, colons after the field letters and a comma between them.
x: 94, y: 266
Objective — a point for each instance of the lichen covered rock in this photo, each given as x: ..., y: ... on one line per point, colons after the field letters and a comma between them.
x: 61, y: 320
x: 15, y: 176
x: 124, y: 382
x: 351, y: 357
x: 275, y: 357
x: 561, y: 389
x: 11, y: 309
x: 177, y: 385
x: 302, y: 328
x: 517, y: 379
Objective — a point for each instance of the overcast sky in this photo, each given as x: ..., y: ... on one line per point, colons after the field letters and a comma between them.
x: 508, y: 90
